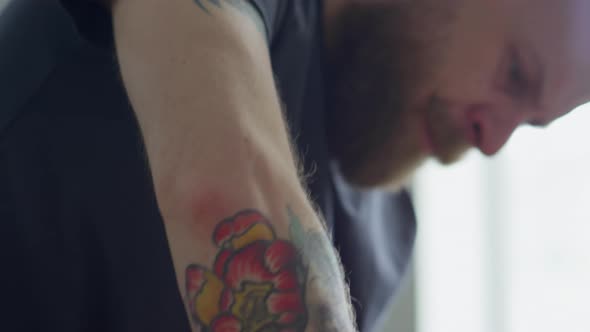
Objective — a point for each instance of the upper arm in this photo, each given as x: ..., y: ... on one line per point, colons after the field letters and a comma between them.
x: 209, y: 60
x: 199, y: 78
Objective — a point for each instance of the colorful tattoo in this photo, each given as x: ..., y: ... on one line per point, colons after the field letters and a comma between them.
x: 257, y: 283
x: 261, y: 283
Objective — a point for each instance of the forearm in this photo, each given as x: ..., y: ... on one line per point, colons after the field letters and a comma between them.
x: 284, y: 258
x: 201, y: 200
x: 316, y: 301
x: 197, y: 206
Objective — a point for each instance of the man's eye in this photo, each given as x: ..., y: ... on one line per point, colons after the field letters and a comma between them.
x: 517, y: 82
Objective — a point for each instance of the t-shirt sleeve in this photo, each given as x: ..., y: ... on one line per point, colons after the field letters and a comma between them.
x: 93, y: 19
x: 272, y: 13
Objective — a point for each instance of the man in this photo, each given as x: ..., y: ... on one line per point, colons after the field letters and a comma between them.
x: 369, y: 89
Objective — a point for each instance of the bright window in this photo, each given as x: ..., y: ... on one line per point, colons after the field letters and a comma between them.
x: 504, y: 244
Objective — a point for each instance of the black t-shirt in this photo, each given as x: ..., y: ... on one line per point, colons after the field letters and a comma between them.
x: 77, y: 206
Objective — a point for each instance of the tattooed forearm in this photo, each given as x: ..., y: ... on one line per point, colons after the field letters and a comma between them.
x: 260, y: 282
x: 242, y: 5
x: 256, y: 283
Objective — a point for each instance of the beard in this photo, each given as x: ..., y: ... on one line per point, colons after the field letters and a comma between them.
x: 379, y: 59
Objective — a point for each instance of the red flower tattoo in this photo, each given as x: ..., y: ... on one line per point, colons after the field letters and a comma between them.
x: 257, y: 283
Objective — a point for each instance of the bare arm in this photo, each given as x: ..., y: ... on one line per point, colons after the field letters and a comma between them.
x: 249, y: 250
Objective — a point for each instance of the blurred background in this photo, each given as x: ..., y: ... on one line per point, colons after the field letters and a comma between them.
x: 504, y: 243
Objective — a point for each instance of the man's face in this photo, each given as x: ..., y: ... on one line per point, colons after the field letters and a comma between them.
x: 409, y: 80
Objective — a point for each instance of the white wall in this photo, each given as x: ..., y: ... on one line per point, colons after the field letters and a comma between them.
x: 503, y: 244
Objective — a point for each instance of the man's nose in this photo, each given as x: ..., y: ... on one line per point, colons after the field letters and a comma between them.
x: 491, y: 127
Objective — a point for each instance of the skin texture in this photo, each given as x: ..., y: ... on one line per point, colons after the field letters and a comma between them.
x: 199, y: 78
x: 411, y: 80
